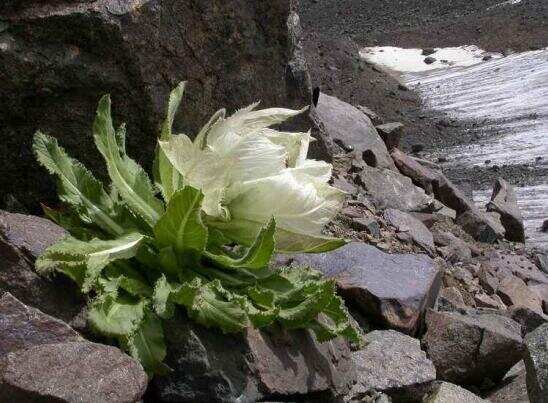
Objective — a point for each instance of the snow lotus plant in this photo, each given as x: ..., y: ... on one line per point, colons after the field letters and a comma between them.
x: 202, y: 235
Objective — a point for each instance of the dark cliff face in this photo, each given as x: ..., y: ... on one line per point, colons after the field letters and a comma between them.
x: 57, y: 59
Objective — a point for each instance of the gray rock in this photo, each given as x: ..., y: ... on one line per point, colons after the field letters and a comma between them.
x: 470, y: 348
x: 480, y: 226
x: 212, y: 367
x: 445, y: 392
x: 528, y: 318
x: 542, y: 291
x: 450, y: 195
x: 404, y: 222
x: 452, y: 248
x: 514, y: 292
x: 71, y: 372
x: 541, y: 259
x: 394, y: 364
x: 392, y: 190
x: 391, y: 134
x: 536, y: 364
x: 337, y: 120
x: 492, y: 302
x: 22, y: 239
x: 58, y: 58
x: 373, y: 116
x: 513, y: 387
x: 22, y: 326
x: 367, y: 224
x: 501, y: 264
x: 392, y: 290
x: 504, y: 202
x: 419, y: 174
x: 450, y: 299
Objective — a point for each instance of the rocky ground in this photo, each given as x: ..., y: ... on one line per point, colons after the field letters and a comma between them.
x: 451, y: 304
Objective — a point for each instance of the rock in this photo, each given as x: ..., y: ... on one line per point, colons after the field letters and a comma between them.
x: 367, y: 224
x: 450, y: 195
x: 394, y: 364
x: 450, y: 299
x: 536, y: 364
x: 429, y: 219
x: 542, y: 291
x: 71, y: 372
x: 445, y: 392
x: 470, y: 348
x: 419, y: 174
x: 337, y: 120
x: 480, y: 226
x: 528, y: 318
x: 404, y: 222
x: 428, y: 51
x: 504, y: 202
x: 393, y: 190
x: 492, y: 302
x: 58, y: 59
x: 22, y: 239
x: 544, y: 227
x: 392, y: 290
x: 391, y: 134
x: 417, y: 148
x: 489, y: 282
x: 513, y: 387
x: 212, y: 367
x: 514, y: 292
x: 503, y: 263
x: 429, y: 60
x: 374, y: 117
x: 22, y: 326
x: 452, y: 248
x: 541, y: 259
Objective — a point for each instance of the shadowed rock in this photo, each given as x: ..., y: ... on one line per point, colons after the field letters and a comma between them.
x: 404, y: 222
x: 536, y: 364
x: 419, y: 174
x: 504, y: 202
x: 392, y: 290
x: 445, y: 392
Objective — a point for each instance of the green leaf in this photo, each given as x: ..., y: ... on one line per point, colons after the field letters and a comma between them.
x: 167, y: 178
x: 256, y: 257
x: 129, y: 279
x: 206, y: 303
x: 89, y: 257
x: 73, y: 224
x: 115, y: 316
x: 181, y: 226
x: 147, y: 345
x: 77, y: 187
x: 162, y: 292
x: 127, y: 176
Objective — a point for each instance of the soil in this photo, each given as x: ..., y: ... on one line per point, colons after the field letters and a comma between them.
x: 334, y: 31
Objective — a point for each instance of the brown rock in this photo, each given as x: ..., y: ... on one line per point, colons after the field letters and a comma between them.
x: 542, y: 291
x: 391, y: 134
x: 513, y: 387
x: 444, y: 392
x: 404, y: 222
x: 392, y: 290
x: 453, y: 249
x: 528, y: 318
x: 22, y: 239
x: 486, y: 301
x: 514, y: 292
x: 502, y: 263
x: 480, y: 226
x: 450, y: 299
x: 71, y: 372
x: 419, y: 174
x: 487, y: 280
x: 536, y: 359
x: 470, y: 348
x: 504, y: 202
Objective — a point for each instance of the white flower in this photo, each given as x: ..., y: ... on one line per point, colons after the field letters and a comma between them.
x: 250, y: 173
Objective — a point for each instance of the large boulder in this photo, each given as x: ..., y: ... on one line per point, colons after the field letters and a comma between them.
x: 337, y: 122
x: 482, y: 227
x: 420, y: 175
x: 472, y: 348
x: 42, y: 359
x: 394, y: 364
x: 58, y: 57
x: 504, y: 202
x: 22, y: 239
x: 211, y: 367
x: 536, y: 364
x: 514, y: 293
x: 390, y: 189
x: 444, y: 392
x: 393, y: 290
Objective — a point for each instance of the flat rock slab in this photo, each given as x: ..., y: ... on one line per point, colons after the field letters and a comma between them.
x: 404, y: 222
x: 212, y: 367
x: 390, y: 189
x: 445, y: 392
x: 392, y: 363
x: 536, y: 364
x: 345, y: 124
x: 502, y: 264
x: 71, y: 372
x: 22, y: 326
x: 470, y: 348
x: 393, y: 290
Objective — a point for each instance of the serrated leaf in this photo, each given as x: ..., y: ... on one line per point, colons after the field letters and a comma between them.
x: 129, y: 279
x: 127, y: 176
x: 116, y: 316
x: 147, y: 345
x: 77, y: 187
x: 73, y: 224
x: 256, y: 257
x: 167, y: 178
x: 181, y: 226
x: 92, y: 256
x: 160, y: 299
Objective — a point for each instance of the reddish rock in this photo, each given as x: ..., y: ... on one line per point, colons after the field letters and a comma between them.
x: 536, y: 364
x: 486, y: 301
x: 502, y: 263
x: 542, y: 291
x: 71, y: 372
x: 514, y: 292
x: 392, y: 290
x: 471, y: 348
x: 504, y: 202
x: 450, y: 299
x: 419, y: 174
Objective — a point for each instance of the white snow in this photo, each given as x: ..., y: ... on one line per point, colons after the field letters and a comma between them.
x: 399, y: 60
